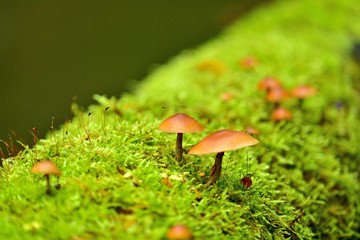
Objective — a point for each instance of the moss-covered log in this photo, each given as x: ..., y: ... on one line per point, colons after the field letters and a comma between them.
x: 120, y: 179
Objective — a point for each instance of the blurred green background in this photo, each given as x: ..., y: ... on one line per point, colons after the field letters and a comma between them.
x: 52, y: 52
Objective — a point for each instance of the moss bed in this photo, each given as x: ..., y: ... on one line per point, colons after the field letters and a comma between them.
x: 119, y: 177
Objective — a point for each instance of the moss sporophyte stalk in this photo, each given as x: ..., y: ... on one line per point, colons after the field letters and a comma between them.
x: 121, y: 177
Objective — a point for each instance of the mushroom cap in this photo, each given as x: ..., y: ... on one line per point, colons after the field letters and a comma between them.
x: 248, y: 62
x: 46, y: 167
x: 180, y: 123
x: 281, y: 113
x: 303, y: 91
x: 179, y: 232
x: 268, y: 83
x: 223, y: 140
x: 277, y: 94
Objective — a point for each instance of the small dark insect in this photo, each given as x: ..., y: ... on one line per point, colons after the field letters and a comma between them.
x: 246, y: 182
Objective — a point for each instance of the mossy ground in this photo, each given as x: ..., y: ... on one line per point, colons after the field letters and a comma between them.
x: 120, y: 179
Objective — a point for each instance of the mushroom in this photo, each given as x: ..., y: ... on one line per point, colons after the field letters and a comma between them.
x: 246, y: 182
x: 180, y: 123
x: 219, y: 142
x: 179, y: 232
x: 268, y: 83
x: 248, y: 63
x: 47, y: 168
x: 280, y: 114
x: 302, y: 92
x: 276, y: 95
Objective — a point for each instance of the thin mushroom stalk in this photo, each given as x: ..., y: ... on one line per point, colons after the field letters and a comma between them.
x: 179, y: 149
x: 180, y: 123
x: 48, y: 187
x: 215, y: 171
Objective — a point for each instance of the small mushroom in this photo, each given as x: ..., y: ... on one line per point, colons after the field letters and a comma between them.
x: 227, y: 96
x: 180, y: 123
x: 47, y: 168
x: 248, y: 63
x: 268, y: 83
x: 179, y: 232
x: 246, y: 182
x: 276, y: 95
x: 220, y: 142
x: 302, y: 92
x: 280, y: 114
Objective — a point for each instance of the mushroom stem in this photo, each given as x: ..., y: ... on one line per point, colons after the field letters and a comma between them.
x: 216, y: 169
x: 301, y: 103
x: 48, y: 188
x: 179, y: 150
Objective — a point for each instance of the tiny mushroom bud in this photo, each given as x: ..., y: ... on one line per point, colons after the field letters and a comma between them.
x: 179, y: 232
x: 246, y: 182
x: 47, y: 168
x: 248, y: 63
x: 219, y: 142
x: 268, y: 83
x: 227, y: 96
x: 280, y: 114
x: 180, y: 123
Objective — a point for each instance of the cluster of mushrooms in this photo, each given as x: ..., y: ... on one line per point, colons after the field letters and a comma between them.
x: 220, y: 141
x: 276, y: 94
x: 217, y: 142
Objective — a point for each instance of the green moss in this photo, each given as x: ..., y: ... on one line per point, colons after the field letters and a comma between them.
x: 120, y: 179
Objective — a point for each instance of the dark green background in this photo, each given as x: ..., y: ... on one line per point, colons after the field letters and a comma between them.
x: 52, y: 51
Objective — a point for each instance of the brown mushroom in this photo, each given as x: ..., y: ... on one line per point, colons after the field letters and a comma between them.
x: 280, y: 114
x: 47, y: 168
x: 276, y: 95
x: 179, y: 232
x: 180, y: 123
x: 302, y: 92
x: 248, y: 63
x: 219, y: 142
x: 268, y: 83
x: 246, y: 182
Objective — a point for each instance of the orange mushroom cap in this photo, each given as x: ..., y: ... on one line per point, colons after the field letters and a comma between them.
x: 46, y: 167
x: 303, y: 91
x: 281, y: 113
x: 179, y: 232
x: 268, y: 83
x: 223, y: 140
x: 180, y: 123
x: 277, y: 94
x: 248, y: 62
